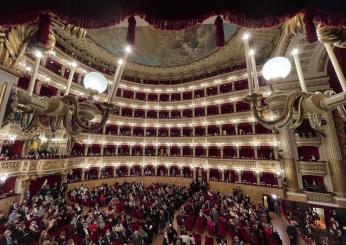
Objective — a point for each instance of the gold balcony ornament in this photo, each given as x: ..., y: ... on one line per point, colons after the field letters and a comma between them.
x: 280, y: 106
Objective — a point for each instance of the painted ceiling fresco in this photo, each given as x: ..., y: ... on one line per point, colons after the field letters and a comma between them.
x: 162, y: 48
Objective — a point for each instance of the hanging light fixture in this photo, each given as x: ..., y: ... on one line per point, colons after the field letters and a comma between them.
x: 67, y: 111
x: 279, y: 110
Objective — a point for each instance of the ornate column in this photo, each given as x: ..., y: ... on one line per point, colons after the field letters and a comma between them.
x: 289, y: 158
x: 255, y: 148
x: 253, y: 128
x: 114, y: 171
x: 238, y: 172
x: 258, y: 177
x: 82, y: 174
x: 208, y: 174
x: 38, y: 56
x: 86, y: 150
x: 21, y: 186
x: 38, y: 87
x: 79, y: 78
x: 237, y: 151
x: 221, y: 151
x: 336, y: 166
x: 222, y: 174
x: 279, y: 179
x: 62, y: 71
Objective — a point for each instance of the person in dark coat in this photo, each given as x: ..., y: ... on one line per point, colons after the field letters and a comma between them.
x: 276, y: 238
x: 292, y: 234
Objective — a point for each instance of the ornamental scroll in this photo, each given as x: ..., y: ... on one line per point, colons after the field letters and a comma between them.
x: 15, y: 41
x: 332, y: 35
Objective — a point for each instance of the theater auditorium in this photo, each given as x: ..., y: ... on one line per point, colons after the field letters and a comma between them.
x: 173, y: 122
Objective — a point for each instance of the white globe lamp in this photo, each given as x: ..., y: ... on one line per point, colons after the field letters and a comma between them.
x: 276, y: 68
x: 95, y: 81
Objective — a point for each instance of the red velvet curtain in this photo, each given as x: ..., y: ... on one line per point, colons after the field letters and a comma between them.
x: 9, y: 184
x: 176, y: 14
x: 214, y: 173
x: 16, y: 148
x: 248, y: 176
x: 268, y: 178
x: 187, y: 171
x: 35, y: 185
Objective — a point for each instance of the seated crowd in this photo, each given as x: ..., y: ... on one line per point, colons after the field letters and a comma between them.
x: 135, y: 214
x: 227, y: 215
x: 313, y: 229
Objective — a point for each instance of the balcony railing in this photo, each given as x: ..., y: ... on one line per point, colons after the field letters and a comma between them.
x: 308, y: 141
x: 313, y: 167
x: 319, y: 197
x: 42, y: 166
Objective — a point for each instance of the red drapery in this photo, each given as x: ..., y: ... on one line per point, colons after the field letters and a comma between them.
x: 176, y: 14
x: 35, y: 185
x: 9, y: 184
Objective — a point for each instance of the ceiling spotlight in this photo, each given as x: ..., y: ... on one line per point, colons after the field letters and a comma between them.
x: 38, y: 54
x: 128, y: 49
x: 73, y: 64
x: 252, y: 52
x: 295, y: 51
x: 246, y: 36
x: 120, y: 61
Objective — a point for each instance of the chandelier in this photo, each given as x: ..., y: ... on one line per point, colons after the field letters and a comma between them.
x: 66, y: 111
x: 279, y: 109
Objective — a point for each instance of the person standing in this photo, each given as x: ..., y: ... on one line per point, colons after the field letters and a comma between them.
x: 292, y: 233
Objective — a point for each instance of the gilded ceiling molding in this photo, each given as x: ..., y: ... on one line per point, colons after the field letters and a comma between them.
x: 295, y: 25
x: 71, y: 29
x: 13, y: 43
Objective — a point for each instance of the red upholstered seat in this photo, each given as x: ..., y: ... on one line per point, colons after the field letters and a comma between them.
x: 222, y: 229
x: 244, y: 234
x: 117, y: 242
x: 119, y: 207
x: 268, y: 235
x: 210, y: 226
x: 208, y: 240
x: 198, y: 238
x: 189, y: 222
x: 200, y: 224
